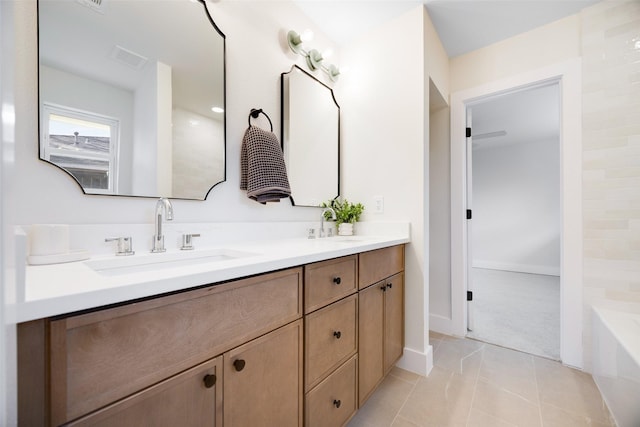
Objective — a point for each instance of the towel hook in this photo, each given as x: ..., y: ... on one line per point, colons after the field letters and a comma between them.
x: 255, y: 113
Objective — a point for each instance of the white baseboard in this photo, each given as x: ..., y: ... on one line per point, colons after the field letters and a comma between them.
x: 547, y: 270
x: 416, y: 361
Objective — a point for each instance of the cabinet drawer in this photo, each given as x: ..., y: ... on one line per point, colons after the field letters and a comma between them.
x: 333, y: 402
x: 328, y: 281
x: 331, y: 338
x: 379, y: 264
x: 100, y: 357
x: 184, y: 400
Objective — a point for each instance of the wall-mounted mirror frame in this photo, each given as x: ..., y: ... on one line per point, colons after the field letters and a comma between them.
x: 138, y: 82
x: 310, y: 123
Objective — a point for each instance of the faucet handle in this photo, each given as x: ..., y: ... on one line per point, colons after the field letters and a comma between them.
x: 125, y: 245
x: 187, y: 241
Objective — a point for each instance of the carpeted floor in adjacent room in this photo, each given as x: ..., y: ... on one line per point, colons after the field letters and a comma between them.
x: 517, y: 310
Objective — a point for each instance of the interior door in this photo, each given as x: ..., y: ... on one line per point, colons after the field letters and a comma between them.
x: 469, y: 153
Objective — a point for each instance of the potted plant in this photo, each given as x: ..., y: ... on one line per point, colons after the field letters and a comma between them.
x: 347, y: 214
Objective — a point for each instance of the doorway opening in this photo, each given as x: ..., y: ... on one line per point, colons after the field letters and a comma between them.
x: 567, y: 75
x: 513, y: 192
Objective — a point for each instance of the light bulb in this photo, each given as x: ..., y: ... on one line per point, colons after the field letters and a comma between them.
x: 306, y: 36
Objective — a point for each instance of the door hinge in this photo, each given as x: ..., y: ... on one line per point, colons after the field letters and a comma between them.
x: 469, y: 214
x: 468, y: 132
x: 469, y: 295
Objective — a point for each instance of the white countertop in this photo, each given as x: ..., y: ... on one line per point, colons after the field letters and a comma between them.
x: 56, y: 289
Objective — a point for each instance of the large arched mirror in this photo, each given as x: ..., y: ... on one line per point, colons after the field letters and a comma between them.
x: 310, y: 138
x: 132, y: 95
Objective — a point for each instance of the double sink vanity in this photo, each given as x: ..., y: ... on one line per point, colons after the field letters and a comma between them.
x: 254, y: 325
x: 285, y: 332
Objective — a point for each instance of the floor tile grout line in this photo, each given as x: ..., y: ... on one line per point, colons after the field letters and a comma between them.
x: 405, y: 402
x: 475, y: 386
x: 535, y: 376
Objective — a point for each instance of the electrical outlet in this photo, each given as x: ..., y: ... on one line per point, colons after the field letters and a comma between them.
x: 378, y: 204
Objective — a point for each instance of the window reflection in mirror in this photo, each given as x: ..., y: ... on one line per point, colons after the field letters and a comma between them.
x: 310, y: 138
x: 84, y: 144
x: 142, y: 85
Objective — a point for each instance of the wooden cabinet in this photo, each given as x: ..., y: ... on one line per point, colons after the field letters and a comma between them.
x: 191, y: 398
x: 263, y: 380
x: 334, y: 401
x: 381, y: 317
x: 370, y: 340
x: 99, y: 358
x: 301, y: 345
x: 381, y: 331
x: 393, y: 320
x: 328, y: 281
x: 379, y: 264
x: 331, y: 340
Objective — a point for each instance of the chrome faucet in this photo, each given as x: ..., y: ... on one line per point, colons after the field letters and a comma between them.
x: 333, y: 216
x: 162, y: 206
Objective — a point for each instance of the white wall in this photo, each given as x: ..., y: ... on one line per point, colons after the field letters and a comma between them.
x: 546, y: 45
x: 439, y: 214
x: 385, y: 110
x: 383, y: 143
x: 516, y: 206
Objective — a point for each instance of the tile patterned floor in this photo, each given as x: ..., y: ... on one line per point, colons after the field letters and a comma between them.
x: 474, y: 384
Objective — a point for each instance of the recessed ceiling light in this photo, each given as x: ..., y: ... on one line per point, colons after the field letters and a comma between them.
x: 217, y: 109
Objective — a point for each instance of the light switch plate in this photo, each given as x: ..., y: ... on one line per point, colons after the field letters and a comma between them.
x: 378, y: 204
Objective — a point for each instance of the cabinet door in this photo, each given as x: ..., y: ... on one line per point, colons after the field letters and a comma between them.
x: 100, y: 357
x: 263, y: 380
x: 393, y: 320
x: 192, y: 398
x: 370, y: 339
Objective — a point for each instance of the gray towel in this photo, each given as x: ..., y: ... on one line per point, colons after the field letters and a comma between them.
x: 262, y: 170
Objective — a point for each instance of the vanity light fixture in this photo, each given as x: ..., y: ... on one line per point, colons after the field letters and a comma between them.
x: 314, y: 57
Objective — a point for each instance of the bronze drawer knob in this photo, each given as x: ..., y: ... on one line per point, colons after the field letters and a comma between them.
x: 209, y: 380
x: 239, y: 364
x: 337, y: 334
x: 337, y: 280
x: 337, y: 403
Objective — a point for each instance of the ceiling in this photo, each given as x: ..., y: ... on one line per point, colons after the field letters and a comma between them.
x: 463, y: 25
x: 530, y: 115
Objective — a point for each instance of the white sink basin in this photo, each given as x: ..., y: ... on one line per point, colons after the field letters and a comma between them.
x: 153, y: 262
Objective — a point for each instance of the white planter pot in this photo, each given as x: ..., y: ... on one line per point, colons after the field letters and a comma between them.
x: 345, y: 229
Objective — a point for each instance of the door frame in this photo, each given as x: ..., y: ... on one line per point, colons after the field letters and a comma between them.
x: 568, y: 76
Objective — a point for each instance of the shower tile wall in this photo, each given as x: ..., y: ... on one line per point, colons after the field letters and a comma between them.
x: 611, y: 155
